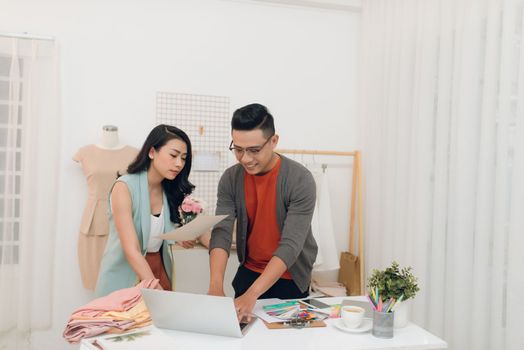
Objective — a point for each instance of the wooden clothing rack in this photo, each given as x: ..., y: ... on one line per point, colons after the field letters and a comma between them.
x: 355, y: 210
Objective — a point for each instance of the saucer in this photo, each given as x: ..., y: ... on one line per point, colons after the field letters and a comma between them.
x: 366, y: 325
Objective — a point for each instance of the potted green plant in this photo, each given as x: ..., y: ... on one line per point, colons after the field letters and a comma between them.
x: 397, y: 283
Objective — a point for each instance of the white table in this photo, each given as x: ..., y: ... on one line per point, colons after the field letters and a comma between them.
x: 259, y: 337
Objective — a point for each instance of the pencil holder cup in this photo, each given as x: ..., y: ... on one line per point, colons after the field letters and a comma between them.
x: 383, y: 324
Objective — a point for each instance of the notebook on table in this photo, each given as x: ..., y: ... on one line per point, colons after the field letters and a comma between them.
x: 149, y: 338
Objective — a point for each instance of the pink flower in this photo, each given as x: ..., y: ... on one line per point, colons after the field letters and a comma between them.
x: 191, y: 205
x: 190, y: 208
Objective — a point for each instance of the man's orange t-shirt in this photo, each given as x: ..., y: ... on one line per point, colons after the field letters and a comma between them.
x: 263, y: 230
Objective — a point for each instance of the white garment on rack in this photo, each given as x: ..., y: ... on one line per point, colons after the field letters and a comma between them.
x: 322, y: 226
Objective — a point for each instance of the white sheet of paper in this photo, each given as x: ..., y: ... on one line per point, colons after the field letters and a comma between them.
x: 194, y: 228
x: 260, y: 313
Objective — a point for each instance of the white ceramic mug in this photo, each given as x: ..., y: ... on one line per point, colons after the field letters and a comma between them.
x: 352, y: 316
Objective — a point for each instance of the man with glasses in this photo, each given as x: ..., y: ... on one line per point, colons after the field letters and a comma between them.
x: 272, y: 198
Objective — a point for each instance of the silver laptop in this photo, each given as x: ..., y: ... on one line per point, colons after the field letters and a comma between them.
x: 194, y: 313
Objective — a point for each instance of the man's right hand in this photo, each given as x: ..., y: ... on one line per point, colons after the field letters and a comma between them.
x: 217, y: 267
x: 219, y: 292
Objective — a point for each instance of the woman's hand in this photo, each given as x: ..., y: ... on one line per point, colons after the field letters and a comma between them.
x: 187, y: 244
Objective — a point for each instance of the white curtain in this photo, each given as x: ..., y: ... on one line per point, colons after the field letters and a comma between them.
x: 29, y: 152
x: 442, y: 125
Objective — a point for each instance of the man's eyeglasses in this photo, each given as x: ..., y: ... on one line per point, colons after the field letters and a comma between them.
x: 251, y: 151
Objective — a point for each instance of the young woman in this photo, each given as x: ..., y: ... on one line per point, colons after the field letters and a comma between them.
x: 144, y: 204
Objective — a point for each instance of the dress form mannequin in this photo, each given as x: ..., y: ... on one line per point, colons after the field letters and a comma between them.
x: 101, y: 164
x: 109, y: 138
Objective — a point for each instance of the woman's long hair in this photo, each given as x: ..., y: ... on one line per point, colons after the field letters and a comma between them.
x: 178, y: 188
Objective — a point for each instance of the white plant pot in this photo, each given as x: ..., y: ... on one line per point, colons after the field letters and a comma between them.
x: 402, y: 311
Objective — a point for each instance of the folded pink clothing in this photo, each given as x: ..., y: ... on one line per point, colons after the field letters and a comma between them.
x: 119, y: 300
x: 77, y: 330
x: 90, y: 319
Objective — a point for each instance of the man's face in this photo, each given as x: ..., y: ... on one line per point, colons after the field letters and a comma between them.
x: 253, y: 150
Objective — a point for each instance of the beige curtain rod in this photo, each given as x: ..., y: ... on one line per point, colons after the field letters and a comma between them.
x: 26, y: 35
x: 316, y: 152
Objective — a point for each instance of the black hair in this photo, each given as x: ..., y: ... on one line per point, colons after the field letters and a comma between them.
x: 253, y: 116
x: 180, y: 186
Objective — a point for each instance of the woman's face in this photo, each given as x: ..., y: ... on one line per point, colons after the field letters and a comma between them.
x: 170, y: 159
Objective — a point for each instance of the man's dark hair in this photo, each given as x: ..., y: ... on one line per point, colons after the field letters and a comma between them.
x: 253, y: 116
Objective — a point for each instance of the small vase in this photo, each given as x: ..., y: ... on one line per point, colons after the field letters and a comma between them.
x: 188, y: 217
x: 402, y: 311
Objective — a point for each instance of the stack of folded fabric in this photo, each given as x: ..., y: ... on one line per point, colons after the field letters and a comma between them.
x: 117, y: 312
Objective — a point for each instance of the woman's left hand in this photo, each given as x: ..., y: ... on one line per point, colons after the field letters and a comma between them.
x: 187, y: 244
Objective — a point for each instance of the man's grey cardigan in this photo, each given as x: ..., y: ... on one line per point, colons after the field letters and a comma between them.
x: 295, y: 203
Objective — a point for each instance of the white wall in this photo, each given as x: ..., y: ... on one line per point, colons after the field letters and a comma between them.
x: 115, y: 55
